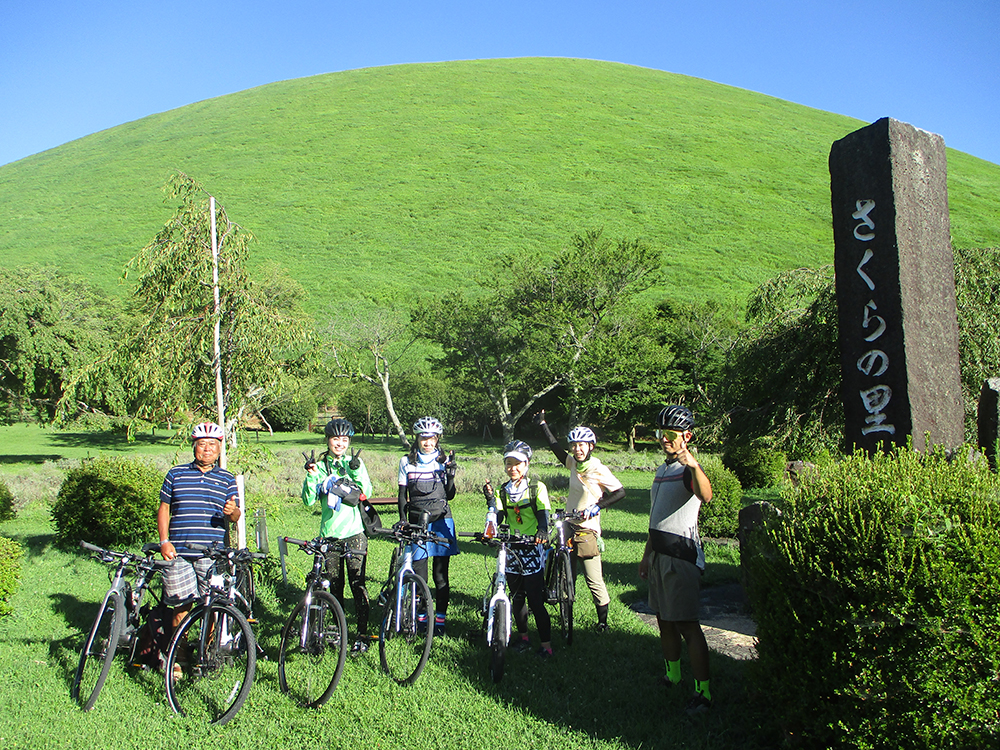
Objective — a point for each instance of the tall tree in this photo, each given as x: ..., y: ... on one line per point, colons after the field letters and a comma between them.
x: 367, y: 341
x: 50, y: 326
x: 167, y: 361
x: 533, y: 325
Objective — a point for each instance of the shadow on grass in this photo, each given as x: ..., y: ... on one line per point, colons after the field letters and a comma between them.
x: 111, y: 441
x: 605, y: 685
x: 29, y: 458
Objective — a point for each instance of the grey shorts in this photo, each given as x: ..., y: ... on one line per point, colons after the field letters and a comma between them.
x: 184, y: 580
x: 674, y: 586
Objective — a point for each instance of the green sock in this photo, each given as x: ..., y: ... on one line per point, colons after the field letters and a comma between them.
x: 673, y: 670
x: 701, y: 686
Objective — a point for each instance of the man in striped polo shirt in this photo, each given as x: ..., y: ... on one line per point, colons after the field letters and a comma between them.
x: 196, y: 500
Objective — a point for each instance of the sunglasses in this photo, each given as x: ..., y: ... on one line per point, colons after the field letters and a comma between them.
x: 668, y: 434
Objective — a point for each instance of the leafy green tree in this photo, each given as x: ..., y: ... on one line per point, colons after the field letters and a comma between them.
x: 784, y: 379
x: 50, y: 326
x: 167, y: 362
x: 535, y: 327
x: 371, y: 340
x: 977, y: 291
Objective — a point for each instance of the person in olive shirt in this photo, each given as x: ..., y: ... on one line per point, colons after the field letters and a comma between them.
x: 335, y: 480
x: 524, y: 506
x: 592, y: 487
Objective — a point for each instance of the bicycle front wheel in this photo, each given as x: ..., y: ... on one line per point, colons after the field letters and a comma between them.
x: 313, y: 650
x: 566, y: 588
x: 498, y: 641
x: 98, y: 651
x: 210, y: 664
x: 405, y: 643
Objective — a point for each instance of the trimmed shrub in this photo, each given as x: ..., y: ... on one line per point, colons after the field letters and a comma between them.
x: 110, y: 502
x: 720, y: 517
x: 10, y: 572
x: 6, y: 502
x: 293, y: 415
x: 755, y: 465
x: 877, y: 600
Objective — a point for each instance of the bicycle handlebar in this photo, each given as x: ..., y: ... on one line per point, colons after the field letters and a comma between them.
x: 513, y: 538
x: 314, y: 545
x: 128, y: 558
x: 410, y: 533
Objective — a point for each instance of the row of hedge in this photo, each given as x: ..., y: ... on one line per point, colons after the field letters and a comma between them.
x: 876, y: 594
x: 10, y: 554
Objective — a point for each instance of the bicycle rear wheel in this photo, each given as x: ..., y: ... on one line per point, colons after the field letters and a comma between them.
x: 313, y: 650
x: 405, y: 644
x: 498, y: 644
x: 216, y: 653
x: 566, y: 588
x: 98, y: 651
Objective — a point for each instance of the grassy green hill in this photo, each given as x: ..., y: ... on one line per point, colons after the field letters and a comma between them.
x: 412, y: 177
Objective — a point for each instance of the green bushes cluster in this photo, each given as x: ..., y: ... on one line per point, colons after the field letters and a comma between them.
x: 6, y: 502
x: 877, y: 600
x: 108, y: 501
x: 294, y: 415
x: 10, y: 572
x: 756, y: 464
x: 720, y: 517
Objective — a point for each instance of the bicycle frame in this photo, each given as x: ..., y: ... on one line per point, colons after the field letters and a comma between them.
x: 499, y: 595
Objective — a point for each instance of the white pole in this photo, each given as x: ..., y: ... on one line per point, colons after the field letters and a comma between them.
x: 217, y: 361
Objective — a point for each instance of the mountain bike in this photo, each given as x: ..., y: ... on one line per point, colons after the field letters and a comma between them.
x: 314, y: 641
x: 497, y: 614
x: 118, y: 620
x: 213, y: 654
x: 407, y: 629
x: 560, y: 586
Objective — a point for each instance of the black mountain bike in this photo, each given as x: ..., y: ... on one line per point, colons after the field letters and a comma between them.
x: 560, y: 586
x: 118, y: 621
x: 213, y: 654
x: 314, y: 640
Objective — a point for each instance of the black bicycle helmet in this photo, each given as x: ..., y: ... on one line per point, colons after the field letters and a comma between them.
x: 338, y: 427
x: 675, y: 417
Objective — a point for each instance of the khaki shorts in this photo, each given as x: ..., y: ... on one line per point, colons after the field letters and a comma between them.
x: 673, y: 588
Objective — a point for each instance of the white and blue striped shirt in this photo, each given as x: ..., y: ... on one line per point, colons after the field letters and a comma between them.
x: 196, y: 501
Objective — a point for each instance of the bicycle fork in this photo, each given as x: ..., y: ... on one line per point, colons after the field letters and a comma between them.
x: 499, y: 595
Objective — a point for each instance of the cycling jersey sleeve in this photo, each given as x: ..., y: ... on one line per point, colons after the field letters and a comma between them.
x: 560, y: 453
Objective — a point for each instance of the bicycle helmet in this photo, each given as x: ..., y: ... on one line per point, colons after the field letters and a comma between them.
x: 582, y: 435
x: 207, y: 430
x: 517, y: 449
x: 427, y: 426
x: 338, y: 428
x: 675, y: 417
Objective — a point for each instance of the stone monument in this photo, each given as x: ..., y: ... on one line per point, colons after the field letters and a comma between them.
x: 895, y: 278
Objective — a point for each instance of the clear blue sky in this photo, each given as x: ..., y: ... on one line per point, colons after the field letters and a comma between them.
x: 68, y: 69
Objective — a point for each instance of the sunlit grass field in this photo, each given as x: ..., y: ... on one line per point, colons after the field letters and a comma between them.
x: 598, y: 693
x: 411, y: 179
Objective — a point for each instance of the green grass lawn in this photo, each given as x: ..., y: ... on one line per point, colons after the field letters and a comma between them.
x: 410, y: 179
x: 599, y: 693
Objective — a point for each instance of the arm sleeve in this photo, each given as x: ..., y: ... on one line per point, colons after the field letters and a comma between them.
x: 560, y: 453
x: 610, y: 498
x: 361, y: 478
x: 401, y: 502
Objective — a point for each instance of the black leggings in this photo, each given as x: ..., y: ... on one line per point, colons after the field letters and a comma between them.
x: 442, y: 588
x: 528, y: 591
x: 335, y: 564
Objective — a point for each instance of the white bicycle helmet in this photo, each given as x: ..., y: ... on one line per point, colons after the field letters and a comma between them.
x: 582, y: 435
x: 517, y: 449
x: 427, y: 426
x: 207, y: 430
